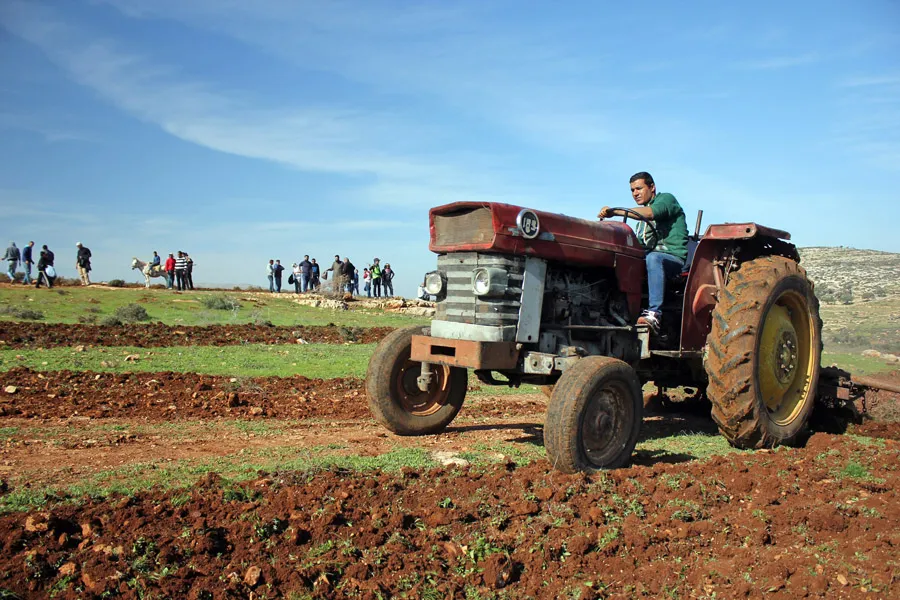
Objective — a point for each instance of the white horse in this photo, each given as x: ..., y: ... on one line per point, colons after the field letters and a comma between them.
x: 147, y: 270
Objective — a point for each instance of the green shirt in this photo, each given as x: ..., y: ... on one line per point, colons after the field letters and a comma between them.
x: 670, y: 223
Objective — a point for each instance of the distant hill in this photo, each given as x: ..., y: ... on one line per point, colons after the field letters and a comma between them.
x: 847, y: 275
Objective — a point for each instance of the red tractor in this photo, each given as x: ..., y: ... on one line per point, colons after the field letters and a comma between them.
x: 525, y: 296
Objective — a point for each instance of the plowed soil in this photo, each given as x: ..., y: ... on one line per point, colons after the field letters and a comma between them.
x: 817, y: 521
x: 153, y: 335
x: 167, y: 396
x: 718, y: 528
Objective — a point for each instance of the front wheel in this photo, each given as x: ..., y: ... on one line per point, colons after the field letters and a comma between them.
x: 394, y: 395
x: 594, y: 416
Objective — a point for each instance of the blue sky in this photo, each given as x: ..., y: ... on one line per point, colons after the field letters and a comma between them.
x: 243, y: 130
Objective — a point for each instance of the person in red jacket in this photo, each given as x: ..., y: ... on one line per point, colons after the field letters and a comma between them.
x: 170, y: 270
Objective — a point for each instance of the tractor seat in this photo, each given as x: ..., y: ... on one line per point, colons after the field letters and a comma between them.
x: 692, y: 242
x: 680, y: 280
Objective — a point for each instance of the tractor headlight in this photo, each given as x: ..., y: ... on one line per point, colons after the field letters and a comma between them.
x: 434, y: 283
x: 489, y: 282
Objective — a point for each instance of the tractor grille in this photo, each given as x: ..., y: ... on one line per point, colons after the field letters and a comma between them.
x: 461, y: 305
x: 471, y: 226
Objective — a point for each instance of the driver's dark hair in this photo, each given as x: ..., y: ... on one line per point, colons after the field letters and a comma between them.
x: 647, y: 177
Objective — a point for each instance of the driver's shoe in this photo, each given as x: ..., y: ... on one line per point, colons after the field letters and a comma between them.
x: 651, y: 319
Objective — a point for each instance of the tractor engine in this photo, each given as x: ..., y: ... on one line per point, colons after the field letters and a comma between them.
x: 584, y: 309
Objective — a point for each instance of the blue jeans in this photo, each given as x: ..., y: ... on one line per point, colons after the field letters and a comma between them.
x: 659, y: 266
x: 12, y: 270
x: 27, y: 278
x: 271, y: 283
x: 304, y: 282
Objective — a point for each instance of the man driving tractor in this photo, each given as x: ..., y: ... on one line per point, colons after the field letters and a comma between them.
x: 667, y: 252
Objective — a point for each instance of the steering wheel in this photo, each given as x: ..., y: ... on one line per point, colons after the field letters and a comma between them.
x: 639, y: 217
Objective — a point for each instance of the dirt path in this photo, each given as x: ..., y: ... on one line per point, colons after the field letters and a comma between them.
x: 154, y: 335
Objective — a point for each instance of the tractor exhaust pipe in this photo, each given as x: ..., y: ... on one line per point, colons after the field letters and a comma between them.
x: 697, y: 226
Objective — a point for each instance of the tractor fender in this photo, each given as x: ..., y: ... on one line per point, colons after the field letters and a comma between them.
x: 706, y: 273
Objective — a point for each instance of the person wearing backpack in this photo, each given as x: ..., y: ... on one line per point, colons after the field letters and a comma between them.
x: 45, y: 268
x: 83, y: 263
x: 375, y: 274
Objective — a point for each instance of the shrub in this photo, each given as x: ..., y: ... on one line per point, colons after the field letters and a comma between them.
x: 116, y: 283
x: 26, y: 314
x: 132, y: 313
x: 220, y: 302
x: 258, y: 318
x: 110, y: 321
x: 87, y: 319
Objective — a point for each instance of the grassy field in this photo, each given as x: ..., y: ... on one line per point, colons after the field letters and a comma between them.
x: 852, y: 328
x: 325, y: 361
x: 66, y: 305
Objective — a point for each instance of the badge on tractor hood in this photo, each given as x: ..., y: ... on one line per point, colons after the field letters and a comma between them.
x: 529, y: 224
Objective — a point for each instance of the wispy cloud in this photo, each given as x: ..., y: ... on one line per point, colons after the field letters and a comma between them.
x: 333, y: 139
x: 533, y: 86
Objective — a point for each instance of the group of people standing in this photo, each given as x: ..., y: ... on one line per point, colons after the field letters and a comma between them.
x: 179, y: 271
x: 375, y: 277
x: 305, y: 276
x: 46, y: 271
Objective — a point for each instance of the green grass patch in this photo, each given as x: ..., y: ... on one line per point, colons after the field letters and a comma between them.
x: 198, y: 307
x: 7, y: 433
x: 520, y: 454
x: 324, y: 361
x: 858, y: 472
x: 697, y: 445
x: 182, y: 474
x: 855, y: 363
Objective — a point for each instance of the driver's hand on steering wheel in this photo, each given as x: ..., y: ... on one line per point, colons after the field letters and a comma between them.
x: 605, y: 213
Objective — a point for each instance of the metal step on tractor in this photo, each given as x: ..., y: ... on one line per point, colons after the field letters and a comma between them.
x: 525, y: 296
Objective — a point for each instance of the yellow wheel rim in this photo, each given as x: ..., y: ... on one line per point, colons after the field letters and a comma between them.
x: 785, y: 358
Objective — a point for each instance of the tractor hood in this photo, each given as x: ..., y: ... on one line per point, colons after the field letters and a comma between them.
x: 507, y: 229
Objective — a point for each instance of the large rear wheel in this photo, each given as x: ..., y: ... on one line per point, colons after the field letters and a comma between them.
x: 763, y: 354
x: 394, y: 395
x: 594, y: 416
